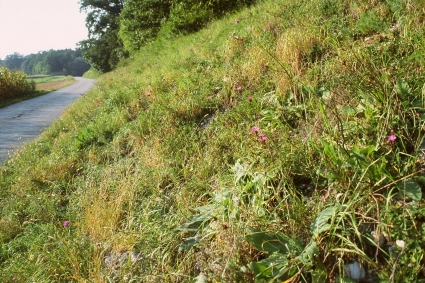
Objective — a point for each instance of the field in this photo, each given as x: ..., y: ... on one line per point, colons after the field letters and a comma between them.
x: 51, y: 83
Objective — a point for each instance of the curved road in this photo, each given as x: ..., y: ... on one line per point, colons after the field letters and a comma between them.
x: 24, y: 121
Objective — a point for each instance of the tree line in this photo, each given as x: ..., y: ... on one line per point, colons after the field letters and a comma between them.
x: 118, y: 28
x: 52, y: 62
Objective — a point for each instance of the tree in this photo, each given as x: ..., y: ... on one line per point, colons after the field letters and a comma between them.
x: 141, y: 20
x: 77, y: 67
x: 28, y: 65
x: 104, y: 48
x: 54, y: 62
x: 14, y: 61
x: 103, y: 53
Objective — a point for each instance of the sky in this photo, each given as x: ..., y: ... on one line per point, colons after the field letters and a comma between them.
x: 30, y: 26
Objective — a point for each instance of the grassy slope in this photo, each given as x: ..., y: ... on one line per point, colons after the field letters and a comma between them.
x: 162, y: 157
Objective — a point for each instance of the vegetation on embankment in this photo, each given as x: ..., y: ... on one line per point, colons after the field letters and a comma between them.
x: 281, y: 143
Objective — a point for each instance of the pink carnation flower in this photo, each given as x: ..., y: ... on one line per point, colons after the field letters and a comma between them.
x: 392, y: 137
x: 263, y: 137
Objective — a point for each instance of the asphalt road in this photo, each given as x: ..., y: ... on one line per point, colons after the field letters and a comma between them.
x: 24, y: 121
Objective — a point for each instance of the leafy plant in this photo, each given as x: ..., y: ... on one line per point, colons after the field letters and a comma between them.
x: 13, y: 84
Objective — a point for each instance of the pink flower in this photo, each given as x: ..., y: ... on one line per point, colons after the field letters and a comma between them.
x: 249, y: 98
x: 255, y: 129
x: 239, y: 88
x: 263, y: 137
x: 392, y: 137
x: 237, y: 22
x: 381, y: 70
x: 65, y: 223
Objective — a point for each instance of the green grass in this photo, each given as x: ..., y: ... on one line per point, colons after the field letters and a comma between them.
x: 91, y: 74
x: 164, y: 156
x: 46, y: 78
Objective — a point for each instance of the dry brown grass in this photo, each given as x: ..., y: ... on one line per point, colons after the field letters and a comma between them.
x: 52, y: 86
x: 105, y: 208
x: 293, y: 49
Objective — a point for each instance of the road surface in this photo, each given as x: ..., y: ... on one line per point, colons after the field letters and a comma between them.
x: 24, y: 121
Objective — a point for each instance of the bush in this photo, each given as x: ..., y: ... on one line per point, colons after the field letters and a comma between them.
x: 13, y: 84
x: 140, y: 22
x: 192, y: 15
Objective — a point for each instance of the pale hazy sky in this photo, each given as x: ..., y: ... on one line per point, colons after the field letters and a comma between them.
x: 30, y: 26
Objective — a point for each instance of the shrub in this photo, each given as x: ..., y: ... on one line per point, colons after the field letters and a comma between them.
x: 191, y: 15
x: 13, y: 84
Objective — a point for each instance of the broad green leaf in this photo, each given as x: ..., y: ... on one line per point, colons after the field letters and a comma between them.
x: 319, y: 274
x: 403, y: 88
x: 240, y: 171
x: 324, y: 93
x: 411, y: 189
x: 307, y: 256
x: 358, y: 156
x: 271, y: 243
x: 189, y: 243
x: 347, y: 110
x: 260, y: 270
x: 321, y: 223
x: 205, y: 209
x: 276, y: 266
x: 195, y: 223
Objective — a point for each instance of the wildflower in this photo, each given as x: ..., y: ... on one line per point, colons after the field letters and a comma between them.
x: 132, y: 153
x: 263, y: 137
x: 65, y: 223
x: 237, y: 22
x: 14, y: 278
x: 239, y: 88
x: 382, y: 70
x: 392, y: 137
x: 255, y: 129
x: 249, y: 98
